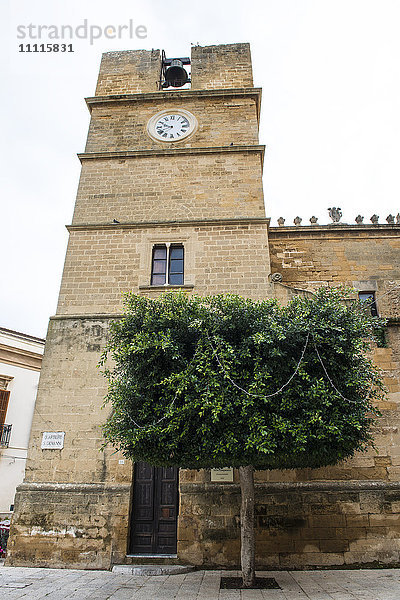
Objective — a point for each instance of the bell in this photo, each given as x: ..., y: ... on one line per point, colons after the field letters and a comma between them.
x: 176, y: 75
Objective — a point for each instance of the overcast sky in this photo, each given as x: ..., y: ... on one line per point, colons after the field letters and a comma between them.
x: 329, y: 70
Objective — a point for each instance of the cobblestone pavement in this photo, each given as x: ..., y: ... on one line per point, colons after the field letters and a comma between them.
x: 58, y: 584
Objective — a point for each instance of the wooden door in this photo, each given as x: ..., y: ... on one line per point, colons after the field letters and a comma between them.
x: 154, y: 510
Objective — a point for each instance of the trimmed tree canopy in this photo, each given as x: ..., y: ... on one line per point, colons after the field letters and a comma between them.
x: 228, y: 381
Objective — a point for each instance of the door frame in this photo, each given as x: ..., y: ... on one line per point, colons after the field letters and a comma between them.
x: 156, y: 503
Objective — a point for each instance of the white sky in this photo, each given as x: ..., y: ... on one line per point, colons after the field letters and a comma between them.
x: 329, y: 70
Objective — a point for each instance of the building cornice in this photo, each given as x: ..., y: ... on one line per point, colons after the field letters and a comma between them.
x: 74, y: 487
x: 19, y: 357
x: 335, y: 231
x: 159, y: 152
x: 87, y: 317
x: 21, y: 336
x: 291, y: 487
x: 181, y: 223
x: 391, y: 321
x: 174, y: 95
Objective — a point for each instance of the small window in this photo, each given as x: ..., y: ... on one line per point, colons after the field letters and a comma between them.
x: 167, y: 265
x: 175, y: 270
x: 159, y: 265
x: 369, y: 299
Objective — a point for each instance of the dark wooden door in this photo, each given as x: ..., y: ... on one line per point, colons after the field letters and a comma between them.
x: 154, y: 510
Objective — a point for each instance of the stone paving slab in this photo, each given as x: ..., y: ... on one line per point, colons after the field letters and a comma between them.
x: 23, y: 583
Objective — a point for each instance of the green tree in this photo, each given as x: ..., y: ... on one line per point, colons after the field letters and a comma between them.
x: 216, y: 381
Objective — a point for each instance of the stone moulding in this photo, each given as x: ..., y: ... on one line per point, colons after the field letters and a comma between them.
x: 167, y: 287
x: 186, y: 223
x: 88, y: 317
x: 19, y: 357
x: 194, y: 488
x: 303, y: 486
x: 73, y: 487
x: 128, y: 154
x: 255, y: 93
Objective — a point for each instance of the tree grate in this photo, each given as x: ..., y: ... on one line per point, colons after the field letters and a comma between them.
x: 261, y: 583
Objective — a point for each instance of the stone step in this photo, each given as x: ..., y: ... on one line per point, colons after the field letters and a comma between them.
x: 152, y: 559
x: 151, y: 570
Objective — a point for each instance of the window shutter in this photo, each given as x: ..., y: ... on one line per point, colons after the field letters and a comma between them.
x: 4, y: 397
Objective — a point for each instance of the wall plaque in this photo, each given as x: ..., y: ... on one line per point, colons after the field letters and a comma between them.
x: 53, y: 440
x: 224, y: 474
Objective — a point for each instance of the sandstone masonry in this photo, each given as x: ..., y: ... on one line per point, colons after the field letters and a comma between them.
x: 203, y: 193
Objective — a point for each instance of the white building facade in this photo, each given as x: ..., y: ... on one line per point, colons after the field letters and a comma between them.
x: 20, y: 363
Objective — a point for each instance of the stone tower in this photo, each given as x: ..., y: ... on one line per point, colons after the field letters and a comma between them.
x: 170, y: 197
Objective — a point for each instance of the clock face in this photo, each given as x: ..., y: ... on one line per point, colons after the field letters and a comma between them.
x: 172, y: 127
x: 169, y: 126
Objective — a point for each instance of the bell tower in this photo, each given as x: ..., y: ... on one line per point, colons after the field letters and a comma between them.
x: 170, y: 198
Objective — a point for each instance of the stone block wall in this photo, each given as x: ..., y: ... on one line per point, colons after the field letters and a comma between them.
x: 194, y: 184
x: 297, y: 525
x: 361, y: 256
x: 138, y: 71
x: 70, y: 399
x: 83, y: 526
x: 73, y: 507
x: 102, y: 263
x: 230, y: 118
x: 222, y: 66
x: 364, y: 257
x: 129, y: 72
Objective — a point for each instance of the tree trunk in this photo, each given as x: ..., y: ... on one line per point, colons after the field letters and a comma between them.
x: 247, y: 551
